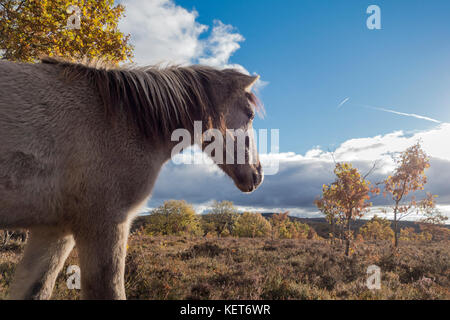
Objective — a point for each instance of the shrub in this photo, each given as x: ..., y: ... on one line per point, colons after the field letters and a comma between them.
x: 220, y: 220
x: 408, y: 234
x: 284, y: 228
x: 173, y: 218
x: 377, y: 229
x: 252, y: 225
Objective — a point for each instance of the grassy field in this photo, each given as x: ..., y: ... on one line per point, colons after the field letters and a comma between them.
x: 231, y: 268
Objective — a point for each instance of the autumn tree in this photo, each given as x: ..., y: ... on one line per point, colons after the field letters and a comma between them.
x: 431, y: 214
x: 433, y: 221
x: 408, y: 177
x: 251, y: 225
x: 278, y: 223
x: 377, y: 229
x: 333, y: 217
x: 221, y: 219
x: 410, y: 235
x: 298, y: 230
x: 283, y: 227
x: 438, y: 232
x: 347, y: 197
x: 31, y: 28
x: 174, y: 217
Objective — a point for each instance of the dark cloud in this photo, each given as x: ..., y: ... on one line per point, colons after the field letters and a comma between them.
x: 439, y: 179
x: 296, y: 185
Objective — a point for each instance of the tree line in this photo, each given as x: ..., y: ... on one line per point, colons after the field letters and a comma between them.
x: 177, y: 217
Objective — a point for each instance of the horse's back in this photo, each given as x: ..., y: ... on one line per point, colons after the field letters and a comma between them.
x: 40, y: 110
x: 23, y: 106
x: 27, y: 119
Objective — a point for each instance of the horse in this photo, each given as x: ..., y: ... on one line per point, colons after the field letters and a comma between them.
x: 81, y: 145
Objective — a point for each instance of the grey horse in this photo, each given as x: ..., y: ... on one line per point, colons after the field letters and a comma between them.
x: 81, y: 146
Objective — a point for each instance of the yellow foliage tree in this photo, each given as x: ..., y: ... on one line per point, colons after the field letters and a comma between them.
x: 433, y: 221
x: 31, y: 28
x: 220, y: 220
x: 409, y: 176
x: 377, y: 229
x: 284, y: 228
x: 408, y: 234
x: 174, y: 217
x: 252, y: 225
x: 347, y: 196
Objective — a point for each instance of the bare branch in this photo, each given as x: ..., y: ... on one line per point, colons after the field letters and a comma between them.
x: 374, y: 167
x: 332, y: 155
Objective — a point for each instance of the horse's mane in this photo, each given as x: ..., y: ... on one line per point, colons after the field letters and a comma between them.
x: 158, y: 100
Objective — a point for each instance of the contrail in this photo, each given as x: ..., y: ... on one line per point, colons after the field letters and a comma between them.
x: 413, y: 115
x: 343, y: 102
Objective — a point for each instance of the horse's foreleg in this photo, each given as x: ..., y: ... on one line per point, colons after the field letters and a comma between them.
x: 102, y: 251
x: 44, y: 256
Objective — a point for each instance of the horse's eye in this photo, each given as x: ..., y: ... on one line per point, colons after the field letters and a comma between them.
x: 250, y: 115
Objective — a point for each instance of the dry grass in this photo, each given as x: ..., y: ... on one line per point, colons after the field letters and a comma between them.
x: 229, y: 268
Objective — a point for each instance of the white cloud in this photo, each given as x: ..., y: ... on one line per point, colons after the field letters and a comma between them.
x: 382, y: 146
x: 221, y: 45
x: 163, y: 32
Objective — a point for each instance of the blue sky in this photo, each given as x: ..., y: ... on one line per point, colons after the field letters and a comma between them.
x: 312, y: 55
x: 316, y: 53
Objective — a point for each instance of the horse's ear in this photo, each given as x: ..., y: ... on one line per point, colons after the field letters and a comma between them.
x: 246, y: 82
x: 249, y: 82
x: 241, y: 81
